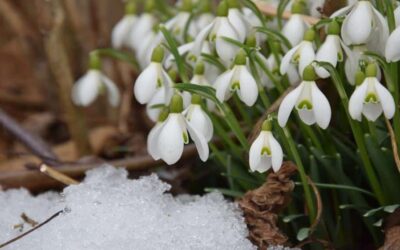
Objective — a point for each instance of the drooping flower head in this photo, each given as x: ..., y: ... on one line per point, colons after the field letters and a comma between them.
x: 168, y: 139
x: 296, y: 27
x: 152, y: 78
x: 370, y: 98
x: 237, y: 80
x: 178, y: 23
x: 94, y: 83
x: 310, y: 103
x: 265, y: 152
x: 392, y: 50
x: 237, y: 19
x: 122, y: 32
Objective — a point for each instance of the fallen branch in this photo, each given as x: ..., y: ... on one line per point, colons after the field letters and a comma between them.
x: 56, y: 175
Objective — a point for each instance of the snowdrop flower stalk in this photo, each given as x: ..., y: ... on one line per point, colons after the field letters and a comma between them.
x: 215, y: 32
x: 265, y: 151
x: 310, y: 103
x: 301, y: 55
x: 331, y: 50
x: 168, y: 139
x: 152, y: 78
x: 237, y: 80
x: 94, y: 83
x: 363, y: 24
x: 199, y: 119
x: 122, y: 32
x: 296, y: 27
x: 370, y: 98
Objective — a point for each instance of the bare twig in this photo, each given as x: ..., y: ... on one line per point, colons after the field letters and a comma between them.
x: 60, y: 67
x: 35, y: 144
x: 394, y: 144
x: 317, y: 219
x: 31, y: 230
x: 56, y: 175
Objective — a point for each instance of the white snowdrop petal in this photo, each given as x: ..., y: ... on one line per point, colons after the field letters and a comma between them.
x: 294, y: 29
x: 357, y: 26
x: 88, y: 89
x: 322, y: 109
x: 152, y: 141
x: 379, y: 34
x: 237, y: 20
x: 146, y: 83
x: 392, y: 51
x: 276, y: 152
x: 386, y: 99
x: 255, y: 152
x: 121, y: 32
x: 288, y: 104
x: 112, y: 91
x: 397, y: 15
x: 307, y: 56
x: 287, y: 59
x: 170, y: 140
x: 143, y: 26
x: 157, y: 99
x: 372, y: 111
x: 200, y: 142
x: 248, y: 91
x: 201, y: 122
x: 225, y: 50
x: 356, y: 102
x: 200, y: 39
x: 222, y: 85
x: 342, y: 11
x: 328, y: 52
x: 183, y: 49
x: 307, y: 116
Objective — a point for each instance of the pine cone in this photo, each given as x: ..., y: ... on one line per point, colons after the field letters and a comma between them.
x: 261, y: 206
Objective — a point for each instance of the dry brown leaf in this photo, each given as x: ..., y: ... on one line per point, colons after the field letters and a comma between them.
x: 262, y: 205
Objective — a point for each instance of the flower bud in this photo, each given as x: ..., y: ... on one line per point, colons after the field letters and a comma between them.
x: 176, y: 105
x: 267, y: 125
x: 158, y: 54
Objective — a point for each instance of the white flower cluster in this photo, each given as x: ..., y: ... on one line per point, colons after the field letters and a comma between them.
x: 351, y: 31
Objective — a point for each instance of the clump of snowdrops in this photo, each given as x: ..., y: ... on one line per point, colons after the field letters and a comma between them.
x: 323, y: 95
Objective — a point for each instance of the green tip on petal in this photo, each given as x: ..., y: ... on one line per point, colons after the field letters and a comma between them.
x: 158, y: 54
x: 309, y: 74
x: 199, y: 68
x: 130, y: 8
x: 299, y: 7
x: 251, y: 40
x: 334, y: 28
x: 233, y: 4
x: 309, y: 35
x: 94, y: 60
x: 163, y: 114
x: 240, y: 58
x: 187, y: 6
x: 359, y: 77
x: 176, y: 105
x: 371, y: 70
x: 267, y: 125
x: 222, y: 9
x: 149, y: 6
x: 196, y: 99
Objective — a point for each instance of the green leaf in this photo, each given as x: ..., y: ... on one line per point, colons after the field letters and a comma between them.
x: 227, y: 192
x: 251, y: 5
x: 341, y: 187
x: 372, y: 212
x: 303, y: 233
x: 214, y: 61
x: 173, y: 47
x: 204, y: 91
x: 281, y: 8
x: 273, y: 33
x: 378, y: 223
x: 119, y: 55
x: 390, y: 209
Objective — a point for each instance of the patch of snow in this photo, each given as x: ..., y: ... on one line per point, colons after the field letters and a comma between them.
x: 109, y: 211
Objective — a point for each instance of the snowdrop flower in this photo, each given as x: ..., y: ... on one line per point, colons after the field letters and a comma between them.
x: 331, y: 50
x: 200, y: 79
x: 216, y: 31
x: 301, y: 55
x: 363, y: 24
x: 151, y: 142
x: 371, y: 98
x: 295, y: 27
x: 93, y: 83
x: 315, y: 7
x: 237, y: 19
x: 144, y: 25
x: 397, y: 15
x: 205, y: 17
x: 121, y: 33
x: 152, y: 78
x: 309, y: 101
x: 265, y: 151
x: 238, y: 80
x: 156, y: 104
x: 178, y: 23
x: 167, y: 139
x: 199, y: 119
x: 392, y: 51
